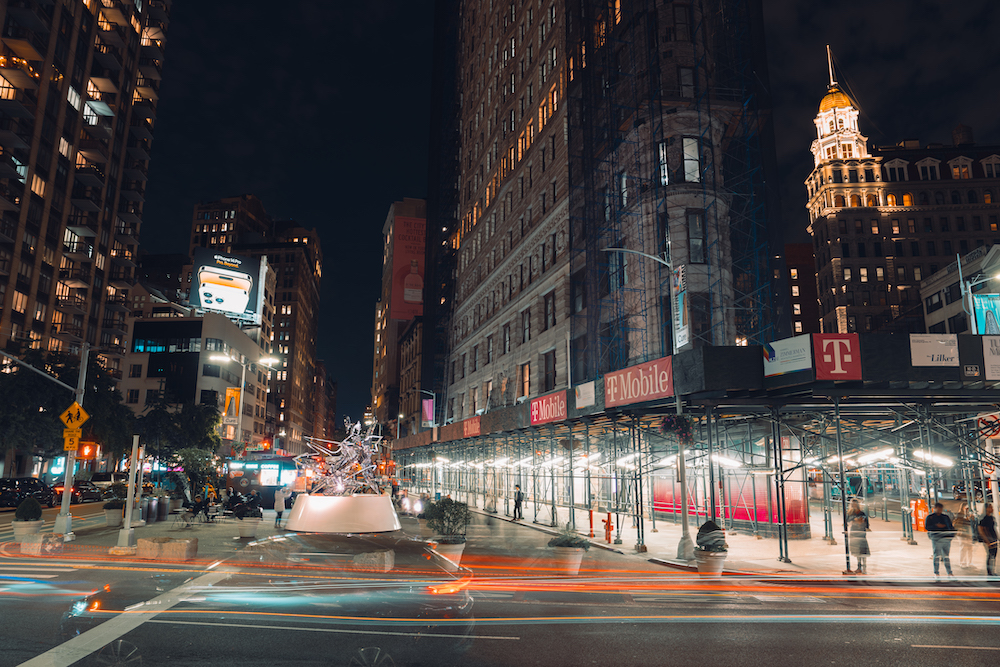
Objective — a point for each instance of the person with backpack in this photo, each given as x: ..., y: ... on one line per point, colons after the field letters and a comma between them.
x: 988, y: 536
x: 941, y: 532
x: 518, y: 500
x: 963, y: 531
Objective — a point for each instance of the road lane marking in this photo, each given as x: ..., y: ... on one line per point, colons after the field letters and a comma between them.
x: 258, y: 626
x: 26, y: 576
x: 971, y: 648
x: 96, y: 638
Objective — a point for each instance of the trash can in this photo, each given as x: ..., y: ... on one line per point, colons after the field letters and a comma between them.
x: 153, y: 509
x: 163, y: 508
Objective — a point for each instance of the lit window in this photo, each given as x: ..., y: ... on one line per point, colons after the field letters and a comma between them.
x: 795, y: 274
x: 798, y: 327
x: 795, y: 290
x: 796, y: 309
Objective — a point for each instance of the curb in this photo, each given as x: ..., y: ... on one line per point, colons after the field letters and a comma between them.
x: 542, y: 529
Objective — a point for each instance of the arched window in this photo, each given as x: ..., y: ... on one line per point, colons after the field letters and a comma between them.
x: 938, y: 197
x: 907, y: 199
x: 838, y: 201
x: 890, y: 199
x: 856, y: 201
x: 955, y: 197
x: 840, y: 123
x: 873, y: 200
x: 923, y: 199
x: 831, y: 127
x: 973, y: 197
x: 988, y: 197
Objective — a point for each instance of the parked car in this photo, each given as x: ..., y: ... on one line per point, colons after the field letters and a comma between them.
x: 81, y: 493
x: 14, y: 490
x: 104, y: 480
x: 337, y: 585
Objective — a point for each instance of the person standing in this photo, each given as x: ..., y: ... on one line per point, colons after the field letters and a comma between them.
x: 857, y: 540
x: 280, y: 495
x: 963, y: 531
x: 988, y: 534
x: 941, y: 532
x: 518, y: 500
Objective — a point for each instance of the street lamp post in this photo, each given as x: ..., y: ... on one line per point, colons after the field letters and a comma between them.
x: 685, y: 548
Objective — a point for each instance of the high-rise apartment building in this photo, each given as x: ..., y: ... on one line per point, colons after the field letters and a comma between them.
x: 800, y: 277
x: 884, y: 219
x: 78, y: 95
x: 221, y: 223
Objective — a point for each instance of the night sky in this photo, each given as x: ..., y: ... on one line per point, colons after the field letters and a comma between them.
x: 321, y: 109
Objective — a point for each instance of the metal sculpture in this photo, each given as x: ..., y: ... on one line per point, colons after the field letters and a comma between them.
x: 346, y: 467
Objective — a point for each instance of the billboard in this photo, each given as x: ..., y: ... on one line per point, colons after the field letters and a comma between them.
x: 548, y: 408
x: 682, y: 318
x: 837, y: 356
x: 636, y: 384
x: 934, y: 350
x: 986, y: 308
x: 228, y: 284
x: 407, y: 299
x: 787, y: 356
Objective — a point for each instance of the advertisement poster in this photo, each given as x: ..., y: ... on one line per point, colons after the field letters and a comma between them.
x: 682, y: 318
x: 227, y: 283
x: 991, y: 357
x: 584, y: 394
x: 934, y: 350
x: 407, y: 299
x: 231, y: 415
x: 787, y: 356
x: 987, y: 311
x: 837, y: 356
x: 427, y: 411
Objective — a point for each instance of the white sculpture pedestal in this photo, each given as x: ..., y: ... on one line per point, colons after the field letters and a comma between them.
x: 363, y: 513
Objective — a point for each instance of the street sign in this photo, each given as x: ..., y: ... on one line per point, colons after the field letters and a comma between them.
x: 71, y: 439
x: 74, y: 416
x: 988, y: 467
x: 989, y: 426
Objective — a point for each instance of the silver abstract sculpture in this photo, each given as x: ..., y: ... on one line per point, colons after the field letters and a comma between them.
x: 343, y: 468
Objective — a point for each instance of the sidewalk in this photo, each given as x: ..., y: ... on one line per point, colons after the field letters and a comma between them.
x: 891, y: 556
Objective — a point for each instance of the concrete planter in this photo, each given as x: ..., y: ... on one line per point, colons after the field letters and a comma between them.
x: 114, y: 517
x: 22, y: 528
x: 453, y: 552
x: 167, y: 549
x: 42, y: 544
x: 248, y: 526
x: 710, y: 563
x: 568, y: 559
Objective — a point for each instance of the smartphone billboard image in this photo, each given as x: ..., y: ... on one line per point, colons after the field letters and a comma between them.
x: 226, y: 283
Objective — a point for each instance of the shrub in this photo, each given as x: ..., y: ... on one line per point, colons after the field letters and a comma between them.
x: 115, y: 504
x: 29, y: 510
x: 448, y: 518
x: 569, y: 538
x: 117, y: 490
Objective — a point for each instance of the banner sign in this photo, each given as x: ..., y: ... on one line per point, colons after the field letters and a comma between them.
x: 682, y: 319
x: 837, y: 356
x: 584, y: 394
x: 991, y: 356
x: 407, y: 300
x: 550, y: 408
x: 787, y: 356
x: 471, y: 427
x: 232, y: 398
x: 934, y: 350
x: 986, y: 308
x: 636, y: 384
x: 427, y: 412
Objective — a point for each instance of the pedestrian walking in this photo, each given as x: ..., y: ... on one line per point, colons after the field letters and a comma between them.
x: 941, y: 532
x: 280, y: 495
x: 857, y: 540
x: 963, y: 531
x: 988, y: 534
x: 518, y: 500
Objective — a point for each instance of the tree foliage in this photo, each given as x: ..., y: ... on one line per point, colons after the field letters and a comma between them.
x: 199, y: 466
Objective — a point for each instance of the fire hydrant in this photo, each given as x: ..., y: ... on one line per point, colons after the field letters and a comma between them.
x: 608, y: 528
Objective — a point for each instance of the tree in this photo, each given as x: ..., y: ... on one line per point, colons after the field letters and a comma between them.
x: 198, y: 426
x: 198, y: 464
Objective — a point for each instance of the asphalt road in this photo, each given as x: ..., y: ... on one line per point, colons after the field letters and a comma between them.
x: 619, y: 611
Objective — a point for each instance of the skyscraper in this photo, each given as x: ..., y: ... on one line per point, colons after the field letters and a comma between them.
x: 78, y: 95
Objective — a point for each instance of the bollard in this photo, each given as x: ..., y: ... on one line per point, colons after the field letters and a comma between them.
x: 591, y: 522
x: 608, y: 528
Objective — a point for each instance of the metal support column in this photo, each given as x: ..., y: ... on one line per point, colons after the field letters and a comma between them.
x: 779, y: 483
x: 843, y: 483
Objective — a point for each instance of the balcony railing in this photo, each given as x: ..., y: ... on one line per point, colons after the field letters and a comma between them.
x: 75, y: 277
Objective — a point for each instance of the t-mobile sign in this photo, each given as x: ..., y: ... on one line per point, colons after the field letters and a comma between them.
x: 636, y: 384
x: 550, y: 408
x: 838, y: 356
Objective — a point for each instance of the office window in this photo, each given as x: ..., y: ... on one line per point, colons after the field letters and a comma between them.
x: 798, y: 327
x: 696, y: 236
x: 847, y: 274
x: 692, y: 159
x: 879, y: 273
x: 135, y: 371
x: 461, y: 369
x: 473, y: 400
x: 863, y: 273
x: 505, y: 339
x: 958, y: 324
x: 549, y: 303
x: 132, y: 396
x: 549, y: 364
x: 917, y: 274
x: 474, y: 359
x: 489, y: 349
x: 526, y: 325
x: 664, y: 164
x: 578, y: 295
x: 794, y: 273
x: 795, y: 290
x: 524, y: 379
x: 796, y: 309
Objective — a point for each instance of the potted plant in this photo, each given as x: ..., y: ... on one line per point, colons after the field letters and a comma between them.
x: 249, y: 517
x: 449, y: 518
x: 114, y: 512
x: 27, y: 518
x: 569, y: 547
x: 711, y: 550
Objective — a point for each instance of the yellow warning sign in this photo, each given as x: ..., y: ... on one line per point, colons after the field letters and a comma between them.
x: 74, y: 416
x: 71, y: 439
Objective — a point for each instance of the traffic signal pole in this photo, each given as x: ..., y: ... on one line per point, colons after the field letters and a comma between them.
x: 64, y: 522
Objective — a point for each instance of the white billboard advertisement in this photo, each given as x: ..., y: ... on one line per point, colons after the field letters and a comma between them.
x: 227, y: 283
x: 933, y: 350
x: 787, y: 356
